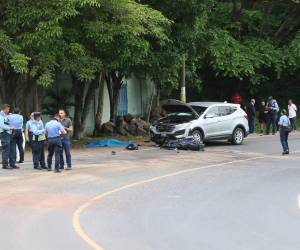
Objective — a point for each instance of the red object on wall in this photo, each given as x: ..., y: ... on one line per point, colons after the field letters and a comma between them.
x: 236, y: 98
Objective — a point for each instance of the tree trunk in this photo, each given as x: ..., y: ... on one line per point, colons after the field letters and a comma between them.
x: 110, y: 93
x: 38, y: 94
x: 35, y: 98
x: 156, y: 101
x: 99, y: 113
x: 114, y: 84
x: 183, y: 76
x: 88, y: 100
x: 78, y: 88
x: 115, y: 104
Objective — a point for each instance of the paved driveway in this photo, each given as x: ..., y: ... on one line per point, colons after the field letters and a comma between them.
x: 228, y: 197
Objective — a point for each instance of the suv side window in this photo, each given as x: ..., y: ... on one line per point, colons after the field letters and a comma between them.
x: 213, y: 111
x: 226, y: 110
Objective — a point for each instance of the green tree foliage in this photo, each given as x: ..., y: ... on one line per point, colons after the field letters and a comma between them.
x: 229, y: 45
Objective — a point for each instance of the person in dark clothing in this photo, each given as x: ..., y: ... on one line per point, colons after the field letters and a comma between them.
x: 262, y: 113
x: 251, y: 112
x: 272, y: 109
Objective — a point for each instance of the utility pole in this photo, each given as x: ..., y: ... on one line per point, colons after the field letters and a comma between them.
x: 183, y: 74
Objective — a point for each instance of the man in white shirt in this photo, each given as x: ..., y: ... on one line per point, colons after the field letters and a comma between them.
x: 292, y: 114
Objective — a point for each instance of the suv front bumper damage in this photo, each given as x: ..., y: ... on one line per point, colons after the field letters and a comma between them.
x: 160, y: 138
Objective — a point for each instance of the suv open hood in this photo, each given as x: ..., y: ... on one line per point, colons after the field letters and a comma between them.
x: 175, y: 106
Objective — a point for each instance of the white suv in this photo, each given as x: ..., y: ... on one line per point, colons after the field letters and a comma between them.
x: 204, y: 121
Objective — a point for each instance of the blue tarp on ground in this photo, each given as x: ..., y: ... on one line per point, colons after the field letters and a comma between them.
x: 107, y: 143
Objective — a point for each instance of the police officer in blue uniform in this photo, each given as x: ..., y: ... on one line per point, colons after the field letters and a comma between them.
x: 285, y: 129
x: 272, y: 108
x: 16, y: 122
x: 54, y: 130
x: 28, y: 129
x: 6, y: 136
x: 38, y: 142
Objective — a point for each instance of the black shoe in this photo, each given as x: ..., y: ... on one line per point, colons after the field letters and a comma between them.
x: 15, y: 167
x: 44, y: 167
x: 21, y: 161
x: 69, y: 168
x: 57, y: 171
x: 49, y: 169
x: 6, y: 167
x: 62, y: 168
x: 38, y: 168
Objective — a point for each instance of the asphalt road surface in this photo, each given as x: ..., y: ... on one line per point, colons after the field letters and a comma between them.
x: 228, y: 197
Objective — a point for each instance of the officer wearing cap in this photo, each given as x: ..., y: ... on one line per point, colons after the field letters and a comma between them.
x: 53, y: 131
x: 38, y: 141
x: 5, y: 136
x: 16, y: 122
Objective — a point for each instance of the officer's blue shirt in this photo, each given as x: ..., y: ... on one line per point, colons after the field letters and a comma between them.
x: 284, y: 121
x: 275, y: 106
x: 37, y: 127
x: 29, y: 125
x: 15, y: 121
x: 54, y: 129
x: 4, y: 123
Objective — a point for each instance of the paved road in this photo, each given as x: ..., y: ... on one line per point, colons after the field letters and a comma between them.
x: 228, y: 197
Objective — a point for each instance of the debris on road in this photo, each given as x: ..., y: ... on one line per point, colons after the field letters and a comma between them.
x: 183, y: 144
x: 132, y: 146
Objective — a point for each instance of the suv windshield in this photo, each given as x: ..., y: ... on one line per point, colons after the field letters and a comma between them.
x: 199, y: 109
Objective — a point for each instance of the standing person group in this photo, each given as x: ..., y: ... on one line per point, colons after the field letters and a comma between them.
x: 268, y: 115
x: 269, y: 119
x: 57, y: 131
x: 54, y: 129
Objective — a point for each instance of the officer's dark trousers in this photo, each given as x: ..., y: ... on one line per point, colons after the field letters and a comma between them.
x: 8, y: 149
x: 30, y: 138
x: 18, y: 140
x: 66, y: 146
x: 251, y: 123
x: 293, y: 123
x: 284, y: 136
x: 271, y: 121
x: 38, y: 154
x: 54, y: 147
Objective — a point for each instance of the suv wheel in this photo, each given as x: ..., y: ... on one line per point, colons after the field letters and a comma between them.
x: 197, y: 136
x: 238, y: 136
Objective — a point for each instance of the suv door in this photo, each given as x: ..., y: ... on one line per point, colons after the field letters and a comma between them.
x: 211, y: 121
x: 226, y: 119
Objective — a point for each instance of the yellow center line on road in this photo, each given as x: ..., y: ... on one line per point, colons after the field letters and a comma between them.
x: 76, y: 215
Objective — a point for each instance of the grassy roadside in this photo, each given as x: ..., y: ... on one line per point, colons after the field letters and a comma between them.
x: 257, y: 125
